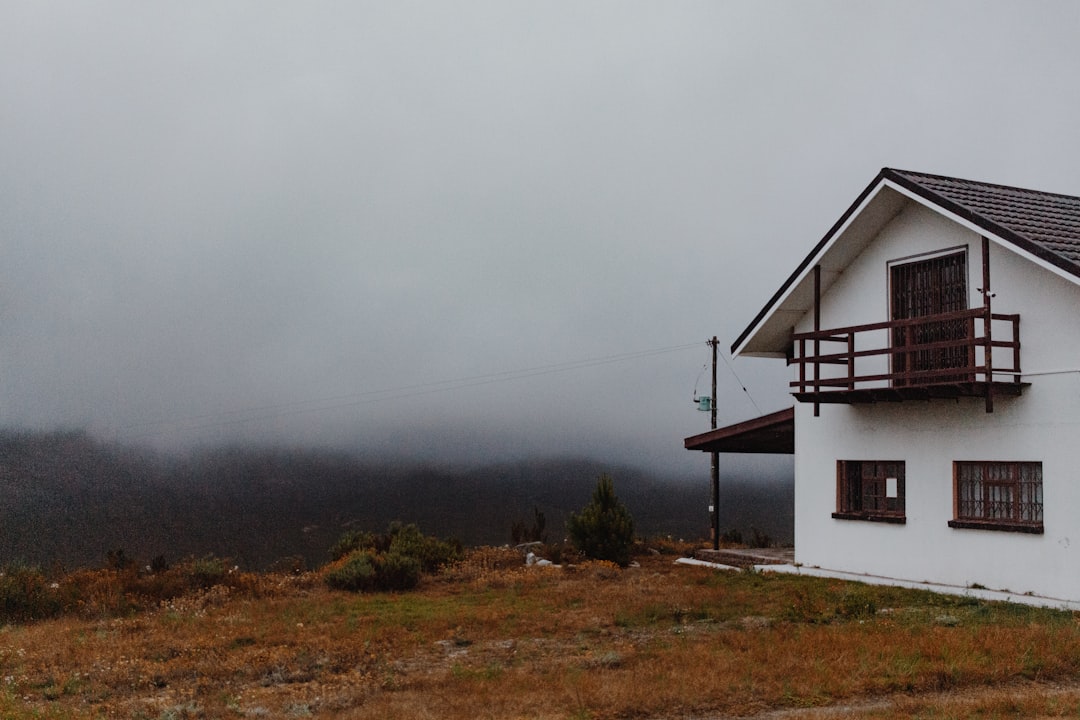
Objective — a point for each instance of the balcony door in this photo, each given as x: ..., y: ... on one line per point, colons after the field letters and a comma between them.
x: 925, y: 288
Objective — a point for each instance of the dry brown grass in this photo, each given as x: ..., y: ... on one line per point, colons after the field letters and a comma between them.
x: 492, y: 639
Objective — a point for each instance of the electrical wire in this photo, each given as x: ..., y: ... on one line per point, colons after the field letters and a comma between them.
x: 697, y: 381
x: 267, y: 412
x: 737, y: 379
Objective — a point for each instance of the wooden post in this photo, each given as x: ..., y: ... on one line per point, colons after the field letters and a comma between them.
x: 715, y: 469
x: 714, y: 342
x: 970, y: 330
x: 988, y: 356
x: 851, y: 360
x: 1016, y: 348
x: 802, y: 364
x: 817, y: 342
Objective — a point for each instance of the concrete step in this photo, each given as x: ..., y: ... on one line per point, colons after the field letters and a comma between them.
x: 746, y: 557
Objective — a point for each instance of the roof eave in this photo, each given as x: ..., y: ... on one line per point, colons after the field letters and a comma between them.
x: 773, y: 434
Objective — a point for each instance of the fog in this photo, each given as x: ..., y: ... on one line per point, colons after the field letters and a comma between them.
x: 470, y: 230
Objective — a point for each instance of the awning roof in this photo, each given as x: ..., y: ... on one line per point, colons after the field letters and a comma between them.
x: 773, y: 433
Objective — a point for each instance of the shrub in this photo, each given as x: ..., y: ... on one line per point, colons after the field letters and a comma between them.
x: 432, y: 553
x: 355, y: 573
x: 365, y: 571
x: 604, y: 529
x: 394, y: 571
x: 391, y: 561
x: 24, y: 595
x: 206, y: 572
x: 352, y: 541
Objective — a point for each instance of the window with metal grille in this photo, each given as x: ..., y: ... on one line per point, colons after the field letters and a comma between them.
x: 870, y: 490
x: 925, y: 288
x: 998, y: 496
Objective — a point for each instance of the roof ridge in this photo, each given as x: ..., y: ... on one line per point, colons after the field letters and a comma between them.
x: 909, y: 173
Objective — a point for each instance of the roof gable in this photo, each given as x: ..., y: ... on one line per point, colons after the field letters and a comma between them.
x: 1043, y: 226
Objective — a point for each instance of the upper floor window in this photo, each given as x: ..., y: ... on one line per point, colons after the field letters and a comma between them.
x: 870, y: 490
x: 998, y: 496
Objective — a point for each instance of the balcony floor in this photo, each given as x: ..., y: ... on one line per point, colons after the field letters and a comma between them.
x: 915, y: 392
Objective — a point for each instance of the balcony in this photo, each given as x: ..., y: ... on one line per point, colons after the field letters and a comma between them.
x: 969, y: 353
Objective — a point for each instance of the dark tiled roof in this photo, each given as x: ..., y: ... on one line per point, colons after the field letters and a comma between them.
x: 1046, y: 224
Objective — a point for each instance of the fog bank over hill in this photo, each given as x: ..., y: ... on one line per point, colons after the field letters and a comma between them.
x: 70, y: 499
x: 306, y: 223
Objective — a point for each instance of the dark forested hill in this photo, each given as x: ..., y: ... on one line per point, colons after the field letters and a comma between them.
x: 68, y: 499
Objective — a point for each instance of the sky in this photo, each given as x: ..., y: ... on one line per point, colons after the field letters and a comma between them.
x: 468, y: 230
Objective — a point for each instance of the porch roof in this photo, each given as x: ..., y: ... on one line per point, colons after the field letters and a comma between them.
x: 772, y: 433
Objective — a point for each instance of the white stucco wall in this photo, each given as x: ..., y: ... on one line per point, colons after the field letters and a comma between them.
x: 1042, y: 425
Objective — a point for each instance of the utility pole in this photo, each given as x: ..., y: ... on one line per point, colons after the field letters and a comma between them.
x: 715, y: 509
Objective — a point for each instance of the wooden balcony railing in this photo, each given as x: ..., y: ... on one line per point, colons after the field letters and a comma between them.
x: 949, y: 355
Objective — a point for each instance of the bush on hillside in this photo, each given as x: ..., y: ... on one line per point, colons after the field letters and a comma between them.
x: 365, y: 571
x: 397, y: 572
x: 604, y: 529
x: 352, y: 541
x: 205, y: 572
x: 391, y: 561
x: 356, y: 572
x: 25, y: 595
x: 432, y: 553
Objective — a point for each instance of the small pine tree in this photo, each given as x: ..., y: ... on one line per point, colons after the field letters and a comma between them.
x: 604, y: 529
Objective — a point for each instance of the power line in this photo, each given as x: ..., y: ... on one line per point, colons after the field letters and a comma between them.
x: 738, y: 380
x: 267, y: 412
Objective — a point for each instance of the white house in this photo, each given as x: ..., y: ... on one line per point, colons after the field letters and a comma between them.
x: 933, y: 337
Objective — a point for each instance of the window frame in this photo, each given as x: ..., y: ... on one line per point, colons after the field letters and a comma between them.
x: 1014, y: 483
x: 850, y: 503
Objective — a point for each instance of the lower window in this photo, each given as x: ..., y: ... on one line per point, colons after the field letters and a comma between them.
x: 870, y: 490
x: 998, y: 496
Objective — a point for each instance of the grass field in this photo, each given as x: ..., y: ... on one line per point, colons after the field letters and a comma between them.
x: 491, y: 639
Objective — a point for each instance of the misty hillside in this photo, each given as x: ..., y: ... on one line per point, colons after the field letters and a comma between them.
x: 70, y: 499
